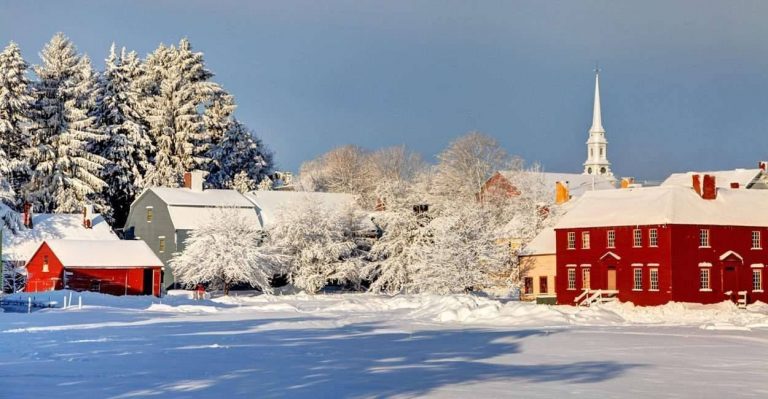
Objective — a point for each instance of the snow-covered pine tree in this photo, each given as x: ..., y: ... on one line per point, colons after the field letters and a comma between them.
x: 224, y: 251
x: 16, y: 103
x: 239, y: 151
x: 176, y: 88
x: 126, y: 146
x: 242, y: 183
x: 64, y: 173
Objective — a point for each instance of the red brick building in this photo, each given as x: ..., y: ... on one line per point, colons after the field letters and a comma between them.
x: 654, y: 245
x: 117, y: 267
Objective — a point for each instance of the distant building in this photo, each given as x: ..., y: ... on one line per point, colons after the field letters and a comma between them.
x: 756, y: 179
x: 653, y: 245
x: 539, y: 267
x: 116, y: 267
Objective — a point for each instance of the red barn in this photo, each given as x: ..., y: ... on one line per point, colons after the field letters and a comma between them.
x: 654, y: 245
x: 117, y: 267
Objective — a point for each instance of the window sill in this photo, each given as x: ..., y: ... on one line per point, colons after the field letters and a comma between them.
x: 653, y: 246
x: 653, y: 290
x: 757, y: 291
x: 636, y: 290
x: 707, y: 247
x: 756, y: 249
x: 705, y: 289
x: 571, y: 289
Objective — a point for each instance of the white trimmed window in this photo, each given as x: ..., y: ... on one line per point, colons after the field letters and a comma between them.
x: 756, y: 244
x: 571, y: 278
x: 611, y: 237
x: 637, y: 235
x: 161, y: 244
x: 653, y: 279
x: 150, y: 214
x: 585, y: 240
x: 637, y: 284
x: 704, y: 238
x: 45, y: 264
x: 757, y: 280
x: 571, y: 240
x: 653, y: 238
x: 585, y: 278
x: 704, y: 279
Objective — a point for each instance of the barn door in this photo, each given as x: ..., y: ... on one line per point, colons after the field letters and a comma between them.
x: 611, y: 280
x: 731, y: 280
x: 147, y: 287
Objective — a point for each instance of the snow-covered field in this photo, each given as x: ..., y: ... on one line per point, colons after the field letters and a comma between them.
x: 361, y: 345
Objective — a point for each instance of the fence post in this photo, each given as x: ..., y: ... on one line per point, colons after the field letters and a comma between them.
x: 80, y: 302
x: 29, y: 305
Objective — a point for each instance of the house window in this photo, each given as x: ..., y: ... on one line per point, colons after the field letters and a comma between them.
x: 149, y: 214
x: 45, y: 264
x: 585, y: 240
x: 653, y: 238
x: 756, y: 244
x: 571, y: 279
x: 543, y: 289
x: 704, y: 279
x: 161, y: 244
x: 757, y: 280
x: 585, y: 278
x: 571, y: 240
x: 704, y: 238
x: 637, y: 284
x: 653, y: 278
x: 638, y: 238
x: 528, y: 286
x: 611, y: 239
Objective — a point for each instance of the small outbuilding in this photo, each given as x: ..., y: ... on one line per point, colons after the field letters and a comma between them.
x: 117, y: 267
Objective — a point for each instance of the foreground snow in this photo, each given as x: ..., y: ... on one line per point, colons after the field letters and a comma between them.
x: 360, y: 345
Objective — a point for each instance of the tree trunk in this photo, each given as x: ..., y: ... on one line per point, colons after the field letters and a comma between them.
x: 226, y: 289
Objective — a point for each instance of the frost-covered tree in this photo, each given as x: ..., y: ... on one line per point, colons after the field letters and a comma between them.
x: 64, y: 173
x: 16, y: 103
x: 239, y: 151
x: 224, y: 251
x: 243, y: 183
x: 176, y: 88
x: 315, y: 245
x: 126, y: 146
x: 341, y: 170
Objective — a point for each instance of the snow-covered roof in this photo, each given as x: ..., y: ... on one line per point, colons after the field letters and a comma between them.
x: 205, y: 198
x: 192, y: 217
x: 271, y: 204
x: 578, y: 183
x: 103, y: 253
x: 49, y: 226
x: 542, y: 244
x: 723, y: 178
x: 667, y: 205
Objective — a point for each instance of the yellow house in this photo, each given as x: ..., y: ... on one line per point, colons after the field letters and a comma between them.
x: 537, y: 268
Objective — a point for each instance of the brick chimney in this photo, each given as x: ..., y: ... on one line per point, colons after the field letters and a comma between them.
x: 735, y: 185
x: 627, y: 181
x: 762, y: 165
x: 194, y: 180
x: 562, y: 195
x: 709, y: 189
x: 88, y: 216
x: 696, y: 184
x: 27, y: 217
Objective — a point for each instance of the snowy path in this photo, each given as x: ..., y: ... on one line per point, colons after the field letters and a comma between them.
x: 365, y: 346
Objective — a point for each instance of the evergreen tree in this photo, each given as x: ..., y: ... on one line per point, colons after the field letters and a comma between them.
x: 16, y: 103
x: 239, y: 151
x: 65, y: 174
x: 127, y: 145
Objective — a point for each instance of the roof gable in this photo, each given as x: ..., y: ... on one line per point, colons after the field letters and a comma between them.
x: 103, y: 253
x: 49, y: 226
x: 205, y: 198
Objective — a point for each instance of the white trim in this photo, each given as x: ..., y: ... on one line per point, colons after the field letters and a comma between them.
x: 571, y: 265
x: 652, y: 264
x: 729, y: 253
x: 610, y: 253
x: 758, y: 291
x: 705, y: 289
x: 585, y: 265
x: 705, y: 264
x: 757, y: 265
x: 637, y: 265
x: 636, y: 290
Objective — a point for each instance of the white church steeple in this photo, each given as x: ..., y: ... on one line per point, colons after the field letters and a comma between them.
x: 597, y: 146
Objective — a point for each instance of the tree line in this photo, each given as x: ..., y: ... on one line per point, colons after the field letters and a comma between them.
x: 71, y: 135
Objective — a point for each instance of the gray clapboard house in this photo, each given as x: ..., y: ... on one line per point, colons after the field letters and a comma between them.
x: 163, y: 217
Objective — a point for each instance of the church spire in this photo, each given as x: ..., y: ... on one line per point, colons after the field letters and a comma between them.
x: 597, y: 119
x: 597, y: 146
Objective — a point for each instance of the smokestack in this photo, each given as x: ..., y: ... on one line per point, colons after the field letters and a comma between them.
x: 709, y: 191
x: 562, y: 195
x: 194, y: 180
x: 697, y: 184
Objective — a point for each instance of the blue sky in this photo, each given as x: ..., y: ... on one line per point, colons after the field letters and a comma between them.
x: 684, y: 84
